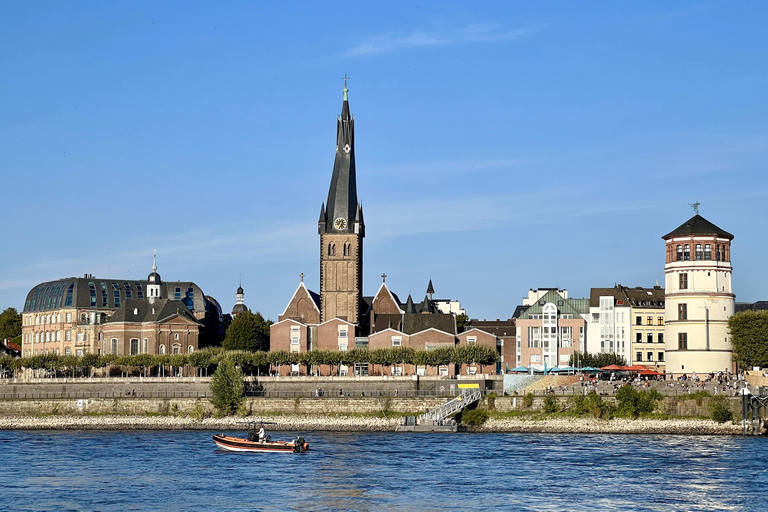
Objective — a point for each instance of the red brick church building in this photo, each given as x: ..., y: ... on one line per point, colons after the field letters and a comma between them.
x: 340, y: 317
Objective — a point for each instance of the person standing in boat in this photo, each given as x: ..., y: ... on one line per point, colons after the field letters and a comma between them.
x: 262, y: 434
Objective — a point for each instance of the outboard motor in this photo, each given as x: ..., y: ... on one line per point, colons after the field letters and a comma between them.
x: 299, y: 445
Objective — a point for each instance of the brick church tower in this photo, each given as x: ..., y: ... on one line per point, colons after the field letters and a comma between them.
x: 341, y: 229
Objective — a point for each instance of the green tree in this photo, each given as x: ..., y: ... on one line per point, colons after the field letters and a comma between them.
x: 228, y: 388
x: 249, y: 331
x: 461, y: 322
x: 584, y: 359
x: 10, y: 324
x: 749, y: 334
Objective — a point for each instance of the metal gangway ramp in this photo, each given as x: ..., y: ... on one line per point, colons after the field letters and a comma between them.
x: 439, y: 414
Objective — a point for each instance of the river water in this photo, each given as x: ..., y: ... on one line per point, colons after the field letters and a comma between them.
x: 183, y: 470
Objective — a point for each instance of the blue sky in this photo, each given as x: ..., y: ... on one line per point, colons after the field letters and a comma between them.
x: 499, y: 148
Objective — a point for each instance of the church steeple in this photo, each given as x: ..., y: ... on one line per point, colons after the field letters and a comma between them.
x: 341, y: 209
x: 341, y: 229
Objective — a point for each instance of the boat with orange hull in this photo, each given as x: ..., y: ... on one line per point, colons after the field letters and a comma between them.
x: 238, y: 444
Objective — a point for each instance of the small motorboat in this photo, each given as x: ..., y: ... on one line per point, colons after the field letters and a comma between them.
x: 252, y: 443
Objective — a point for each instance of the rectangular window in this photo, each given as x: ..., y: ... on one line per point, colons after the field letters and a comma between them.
x: 699, y: 255
x: 116, y: 293
x: 707, y: 252
x: 649, y: 356
x: 638, y: 320
x: 638, y: 356
x: 661, y: 357
x: 683, y: 281
x: 682, y: 311
x: 69, y: 318
x: 471, y: 340
x: 342, y: 333
x: 682, y: 341
x: 67, y: 335
x: 536, y: 358
x: 638, y: 337
x: 660, y: 320
x: 342, y: 347
x: 114, y: 345
x: 649, y: 320
x: 139, y: 291
x: 294, y: 340
x: 80, y: 336
x: 177, y: 293
x: 396, y: 341
x: 134, y: 346
x: 67, y: 351
x: 649, y: 337
x: 661, y: 337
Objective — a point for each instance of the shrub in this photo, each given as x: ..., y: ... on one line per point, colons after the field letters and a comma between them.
x: 528, y: 400
x: 474, y: 417
x: 720, y: 412
x: 633, y: 403
x: 551, y: 404
x: 198, y: 413
x: 228, y: 388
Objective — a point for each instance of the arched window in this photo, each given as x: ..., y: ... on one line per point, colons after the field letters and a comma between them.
x: 708, y: 252
x: 699, y: 254
x: 47, y: 336
x: 331, y: 249
x: 687, y: 252
x: 347, y: 249
x: 190, y: 349
x: 37, y: 337
x: 114, y: 345
x: 679, y: 253
x: 161, y: 349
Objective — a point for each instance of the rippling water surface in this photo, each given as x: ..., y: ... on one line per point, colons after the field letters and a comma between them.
x: 364, y: 471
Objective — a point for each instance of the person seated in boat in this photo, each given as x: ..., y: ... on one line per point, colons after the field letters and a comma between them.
x: 262, y: 434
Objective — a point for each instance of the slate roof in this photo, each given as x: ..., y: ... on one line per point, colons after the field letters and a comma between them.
x: 761, y: 305
x: 416, y: 322
x: 697, y: 225
x: 141, y: 311
x: 625, y: 296
x: 499, y: 328
x: 342, y: 200
x: 75, y: 292
x: 519, y: 310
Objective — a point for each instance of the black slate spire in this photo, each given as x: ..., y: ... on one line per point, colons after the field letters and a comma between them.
x: 342, y: 206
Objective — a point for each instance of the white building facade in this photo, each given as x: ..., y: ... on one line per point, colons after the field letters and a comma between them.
x: 699, y: 298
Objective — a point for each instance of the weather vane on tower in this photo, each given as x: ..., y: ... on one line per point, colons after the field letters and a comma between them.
x: 695, y: 206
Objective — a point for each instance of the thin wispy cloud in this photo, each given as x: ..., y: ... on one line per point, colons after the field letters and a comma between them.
x: 420, y: 38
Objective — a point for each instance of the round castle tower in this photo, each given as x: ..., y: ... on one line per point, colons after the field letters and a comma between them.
x: 699, y: 299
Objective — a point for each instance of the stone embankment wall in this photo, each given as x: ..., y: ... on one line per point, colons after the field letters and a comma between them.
x: 283, y: 386
x: 313, y: 406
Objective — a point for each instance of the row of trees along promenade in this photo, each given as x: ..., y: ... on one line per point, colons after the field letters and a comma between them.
x: 254, y: 363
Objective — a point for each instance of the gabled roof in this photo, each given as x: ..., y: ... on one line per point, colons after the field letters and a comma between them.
x: 394, y: 297
x: 378, y: 333
x: 315, y: 298
x: 629, y: 297
x: 336, y: 319
x: 476, y: 329
x: 433, y: 329
x: 697, y: 225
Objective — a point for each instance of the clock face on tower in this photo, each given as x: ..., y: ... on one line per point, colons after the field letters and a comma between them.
x: 340, y: 223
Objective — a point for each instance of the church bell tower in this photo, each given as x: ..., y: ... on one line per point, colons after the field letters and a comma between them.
x: 341, y: 229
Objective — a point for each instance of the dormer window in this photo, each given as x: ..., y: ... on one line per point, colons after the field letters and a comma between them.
x: 135, y: 311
